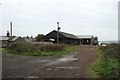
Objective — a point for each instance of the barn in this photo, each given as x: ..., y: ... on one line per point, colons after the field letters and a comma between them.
x: 17, y: 39
x: 5, y: 40
x: 65, y: 38
x: 88, y: 39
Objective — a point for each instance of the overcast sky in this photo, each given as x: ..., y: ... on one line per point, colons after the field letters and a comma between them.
x: 78, y: 17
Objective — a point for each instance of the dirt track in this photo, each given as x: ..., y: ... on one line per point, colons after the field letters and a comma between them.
x: 74, y: 65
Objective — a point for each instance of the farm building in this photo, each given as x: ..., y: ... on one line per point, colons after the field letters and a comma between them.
x: 88, y: 39
x: 17, y: 39
x: 65, y: 38
x: 5, y: 40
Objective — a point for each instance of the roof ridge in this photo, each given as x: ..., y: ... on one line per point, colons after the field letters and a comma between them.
x: 68, y: 35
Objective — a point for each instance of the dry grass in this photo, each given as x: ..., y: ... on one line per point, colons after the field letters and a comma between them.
x: 39, y: 49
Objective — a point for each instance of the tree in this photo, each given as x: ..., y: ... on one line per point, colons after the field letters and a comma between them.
x: 39, y: 37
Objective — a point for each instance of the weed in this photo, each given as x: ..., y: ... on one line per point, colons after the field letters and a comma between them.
x: 40, y: 50
x: 107, y: 65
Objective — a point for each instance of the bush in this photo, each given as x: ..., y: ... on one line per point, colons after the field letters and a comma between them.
x: 36, y: 47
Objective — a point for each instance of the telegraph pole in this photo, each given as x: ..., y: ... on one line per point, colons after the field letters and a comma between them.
x: 58, y: 28
x: 11, y: 32
x: 11, y: 28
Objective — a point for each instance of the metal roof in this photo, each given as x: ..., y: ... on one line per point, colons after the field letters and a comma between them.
x: 68, y: 35
x: 15, y: 38
x: 4, y: 38
x: 84, y: 36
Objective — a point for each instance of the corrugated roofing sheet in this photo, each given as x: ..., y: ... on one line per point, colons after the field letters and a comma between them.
x: 4, y: 38
x: 8, y: 38
x: 68, y: 35
x: 15, y: 38
x: 84, y: 36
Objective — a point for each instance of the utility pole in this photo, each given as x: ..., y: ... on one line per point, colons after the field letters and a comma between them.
x: 11, y: 32
x: 11, y: 28
x: 58, y: 28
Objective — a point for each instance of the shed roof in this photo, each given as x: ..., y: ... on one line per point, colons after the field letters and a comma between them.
x: 4, y: 38
x: 15, y: 38
x: 84, y: 36
x: 68, y: 35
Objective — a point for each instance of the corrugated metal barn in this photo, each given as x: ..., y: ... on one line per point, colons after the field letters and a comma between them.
x: 88, y: 39
x: 65, y: 38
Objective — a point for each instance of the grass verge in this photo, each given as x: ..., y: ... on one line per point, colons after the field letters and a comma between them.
x: 3, y: 50
x: 92, y: 72
x: 107, y: 64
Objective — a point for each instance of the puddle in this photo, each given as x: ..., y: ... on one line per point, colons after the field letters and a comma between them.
x: 48, y: 68
x: 68, y: 58
x: 32, y: 77
x: 62, y: 60
x: 46, y: 61
x: 67, y: 67
x: 59, y: 68
x: 65, y: 58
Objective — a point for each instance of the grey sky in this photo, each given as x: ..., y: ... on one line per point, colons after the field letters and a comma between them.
x: 79, y: 17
